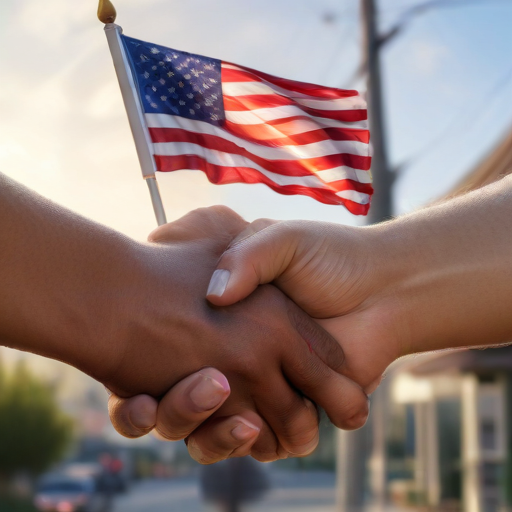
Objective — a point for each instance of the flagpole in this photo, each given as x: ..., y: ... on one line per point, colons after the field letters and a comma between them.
x: 143, y: 144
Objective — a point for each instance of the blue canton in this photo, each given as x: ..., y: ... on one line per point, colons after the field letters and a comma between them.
x: 176, y: 83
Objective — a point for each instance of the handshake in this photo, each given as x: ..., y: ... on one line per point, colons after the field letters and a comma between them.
x: 203, y: 311
x: 229, y: 334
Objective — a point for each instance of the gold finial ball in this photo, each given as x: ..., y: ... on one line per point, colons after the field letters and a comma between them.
x: 106, y: 12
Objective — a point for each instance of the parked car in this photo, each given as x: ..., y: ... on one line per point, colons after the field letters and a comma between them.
x: 68, y: 493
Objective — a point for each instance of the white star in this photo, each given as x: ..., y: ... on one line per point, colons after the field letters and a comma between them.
x: 181, y: 102
x: 187, y: 77
x: 162, y: 81
x: 191, y: 112
x: 171, y: 89
x: 146, y: 74
x: 155, y: 50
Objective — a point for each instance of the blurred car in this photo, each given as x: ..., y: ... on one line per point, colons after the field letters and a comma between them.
x: 68, y: 493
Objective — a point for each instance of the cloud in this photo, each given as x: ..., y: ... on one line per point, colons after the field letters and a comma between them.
x: 427, y: 58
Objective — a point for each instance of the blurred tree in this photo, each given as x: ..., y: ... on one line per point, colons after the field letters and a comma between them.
x: 34, y: 432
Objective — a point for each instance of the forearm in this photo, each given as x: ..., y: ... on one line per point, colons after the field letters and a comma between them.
x: 452, y: 270
x: 61, y: 280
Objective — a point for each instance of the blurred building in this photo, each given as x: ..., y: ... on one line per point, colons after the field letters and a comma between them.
x: 449, y: 435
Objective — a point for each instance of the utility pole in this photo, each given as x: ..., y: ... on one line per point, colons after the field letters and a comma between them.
x: 383, y: 178
x: 354, y: 447
x: 381, y: 210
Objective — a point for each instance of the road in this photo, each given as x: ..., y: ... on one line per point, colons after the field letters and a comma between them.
x: 291, y: 492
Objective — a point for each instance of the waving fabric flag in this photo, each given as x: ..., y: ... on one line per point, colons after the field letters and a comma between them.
x: 243, y: 126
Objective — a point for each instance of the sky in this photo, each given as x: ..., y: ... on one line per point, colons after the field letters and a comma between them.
x: 64, y: 133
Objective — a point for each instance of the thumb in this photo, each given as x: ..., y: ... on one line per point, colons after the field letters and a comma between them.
x: 259, y: 254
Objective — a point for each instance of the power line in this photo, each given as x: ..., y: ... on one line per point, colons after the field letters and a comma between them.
x: 421, y: 8
x: 464, y: 116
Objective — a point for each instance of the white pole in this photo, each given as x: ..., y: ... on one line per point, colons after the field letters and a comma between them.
x: 143, y: 143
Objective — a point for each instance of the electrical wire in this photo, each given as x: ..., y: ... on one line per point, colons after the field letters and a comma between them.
x: 463, y: 117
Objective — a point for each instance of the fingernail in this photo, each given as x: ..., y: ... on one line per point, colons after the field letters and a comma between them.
x: 218, y: 282
x: 307, y: 448
x: 195, y: 451
x: 208, y: 393
x: 142, y: 417
x: 244, y: 431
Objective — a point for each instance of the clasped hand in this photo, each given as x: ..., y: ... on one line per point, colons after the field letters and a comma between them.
x: 276, y: 359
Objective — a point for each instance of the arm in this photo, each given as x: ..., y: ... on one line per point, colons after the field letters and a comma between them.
x: 133, y: 316
x: 434, y: 279
x: 438, y: 278
x: 62, y: 278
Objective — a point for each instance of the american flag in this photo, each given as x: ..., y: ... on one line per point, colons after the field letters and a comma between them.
x: 242, y: 126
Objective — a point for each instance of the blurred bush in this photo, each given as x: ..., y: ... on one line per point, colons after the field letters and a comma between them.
x: 34, y: 432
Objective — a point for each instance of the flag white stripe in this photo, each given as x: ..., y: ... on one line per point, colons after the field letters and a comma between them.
x: 344, y: 173
x: 246, y: 89
x: 353, y: 195
x: 262, y: 115
x: 294, y: 127
x: 292, y: 152
x: 237, y: 89
x: 230, y: 160
x: 279, y: 90
x: 298, y: 126
x: 350, y: 103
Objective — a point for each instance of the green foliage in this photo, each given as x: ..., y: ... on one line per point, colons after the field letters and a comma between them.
x: 34, y: 433
x: 13, y: 504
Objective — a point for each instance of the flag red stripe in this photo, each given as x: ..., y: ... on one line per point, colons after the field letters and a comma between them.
x: 347, y: 116
x: 250, y: 102
x: 302, y: 167
x: 250, y: 75
x: 267, y: 135
x: 336, y: 134
x: 225, y: 175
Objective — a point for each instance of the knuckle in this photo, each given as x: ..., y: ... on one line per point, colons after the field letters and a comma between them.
x: 222, y: 211
x: 317, y: 339
x: 172, y: 434
x: 299, y: 432
x: 355, y: 416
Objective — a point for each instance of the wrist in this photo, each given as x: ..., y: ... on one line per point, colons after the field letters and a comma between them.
x: 107, y: 311
x: 452, y: 277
